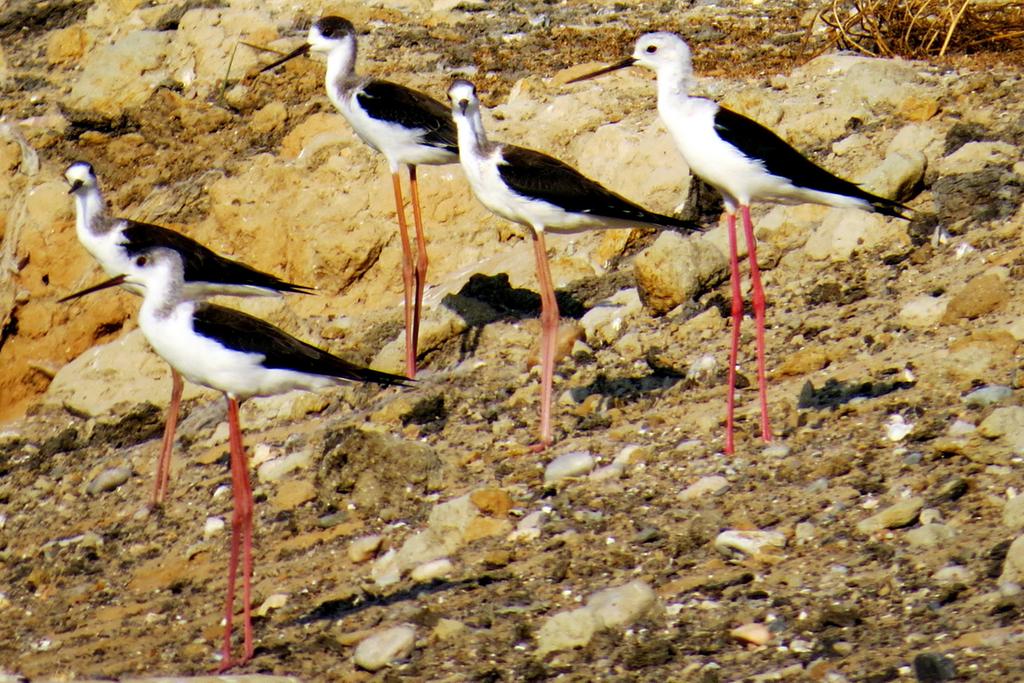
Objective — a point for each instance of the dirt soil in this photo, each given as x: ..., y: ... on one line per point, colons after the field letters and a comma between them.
x: 97, y: 586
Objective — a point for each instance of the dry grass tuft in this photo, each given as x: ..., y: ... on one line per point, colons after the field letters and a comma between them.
x: 923, y: 28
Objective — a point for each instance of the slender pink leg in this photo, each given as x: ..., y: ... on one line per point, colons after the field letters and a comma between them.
x: 407, y: 278
x: 422, y: 261
x: 757, y: 294
x: 737, y: 318
x: 548, y: 336
x: 163, y: 465
x: 241, y: 537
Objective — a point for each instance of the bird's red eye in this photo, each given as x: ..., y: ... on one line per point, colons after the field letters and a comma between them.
x: 141, y: 261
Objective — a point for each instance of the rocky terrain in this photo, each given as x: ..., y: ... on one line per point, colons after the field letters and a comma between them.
x: 412, y: 534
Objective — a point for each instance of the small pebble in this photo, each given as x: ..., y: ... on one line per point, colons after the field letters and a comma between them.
x: 573, y: 464
x: 108, y: 480
x: 384, y: 647
x: 753, y: 633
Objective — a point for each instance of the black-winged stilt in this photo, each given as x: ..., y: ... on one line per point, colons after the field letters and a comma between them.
x: 745, y: 162
x: 242, y: 357
x: 113, y: 242
x: 544, y: 194
x: 408, y: 127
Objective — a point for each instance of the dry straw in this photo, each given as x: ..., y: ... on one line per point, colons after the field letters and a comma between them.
x: 922, y: 28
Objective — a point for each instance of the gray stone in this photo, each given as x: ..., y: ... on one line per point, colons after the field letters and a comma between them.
x: 704, y: 486
x: 988, y: 395
x: 385, y: 647
x: 622, y: 605
x: 897, y: 175
x: 1013, y: 513
x: 565, y: 631
x: 930, y: 535
x: 1013, y: 565
x: 975, y: 156
x: 108, y: 480
x: 1006, y: 423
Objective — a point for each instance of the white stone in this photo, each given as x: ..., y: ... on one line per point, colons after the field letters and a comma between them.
x: 750, y: 543
x: 435, y: 569
x: 385, y: 647
x: 923, y: 311
x: 574, y: 464
x: 213, y: 526
x: 276, y: 468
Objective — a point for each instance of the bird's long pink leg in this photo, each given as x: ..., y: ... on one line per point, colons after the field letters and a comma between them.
x: 420, y: 274
x: 407, y: 277
x: 737, y: 318
x: 757, y: 294
x: 241, y: 538
x: 163, y: 465
x: 548, y: 336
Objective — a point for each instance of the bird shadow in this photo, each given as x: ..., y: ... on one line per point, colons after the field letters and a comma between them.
x: 834, y: 393
x: 626, y: 389
x: 486, y: 299
x: 334, y: 610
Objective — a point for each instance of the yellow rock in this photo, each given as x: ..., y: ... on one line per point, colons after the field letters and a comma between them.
x: 66, y: 45
x: 291, y: 494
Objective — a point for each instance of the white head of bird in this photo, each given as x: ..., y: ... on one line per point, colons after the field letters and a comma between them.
x: 462, y: 95
x: 330, y: 32
x: 668, y: 56
x: 80, y: 175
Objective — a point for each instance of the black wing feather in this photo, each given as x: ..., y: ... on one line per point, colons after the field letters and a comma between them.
x: 411, y: 109
x: 539, y: 176
x: 242, y: 332
x: 780, y: 159
x: 202, y: 264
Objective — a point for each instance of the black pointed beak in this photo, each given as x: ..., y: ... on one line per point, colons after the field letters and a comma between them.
x: 75, y: 184
x: 300, y: 50
x: 112, y: 282
x: 630, y: 61
x: 463, y: 106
